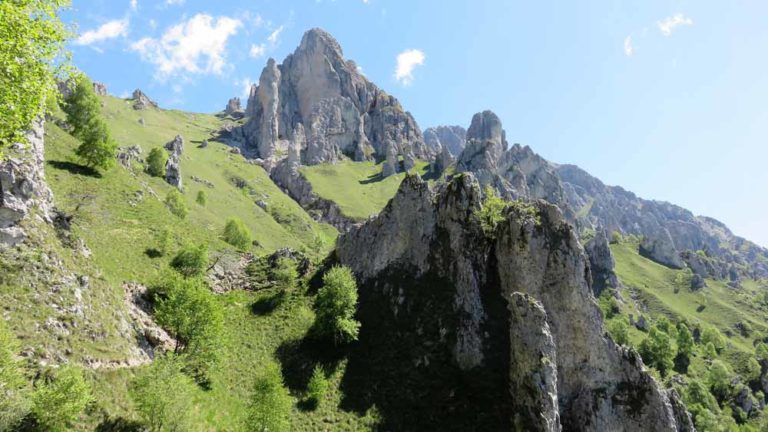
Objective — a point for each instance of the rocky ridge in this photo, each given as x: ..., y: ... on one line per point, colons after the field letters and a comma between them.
x: 517, y: 307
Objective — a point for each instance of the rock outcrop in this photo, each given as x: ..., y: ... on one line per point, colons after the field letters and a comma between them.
x: 173, y: 165
x: 23, y: 189
x: 234, y: 109
x: 141, y: 101
x: 100, y: 88
x: 319, y: 103
x: 516, y: 309
x: 453, y: 138
x: 601, y: 263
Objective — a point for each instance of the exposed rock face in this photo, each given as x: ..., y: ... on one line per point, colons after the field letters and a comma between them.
x: 233, y: 108
x: 100, y: 88
x: 660, y: 248
x: 427, y: 269
x: 443, y: 161
x: 341, y: 112
x: 173, y: 165
x: 127, y: 155
x: 601, y: 263
x: 454, y: 138
x: 23, y: 187
x: 142, y: 101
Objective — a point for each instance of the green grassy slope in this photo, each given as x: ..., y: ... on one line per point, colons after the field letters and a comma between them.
x: 356, y: 186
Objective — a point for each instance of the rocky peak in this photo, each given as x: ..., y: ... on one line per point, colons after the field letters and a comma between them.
x: 142, y: 101
x: 515, y: 308
x: 452, y: 137
x: 233, y: 108
x: 341, y: 113
x: 486, y: 126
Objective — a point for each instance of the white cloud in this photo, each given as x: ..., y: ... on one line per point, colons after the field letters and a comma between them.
x: 134, y: 4
x: 195, y: 46
x: 669, y: 24
x: 108, y: 30
x: 273, y: 37
x: 628, y: 48
x: 257, y: 51
x: 174, y: 2
x: 406, y: 63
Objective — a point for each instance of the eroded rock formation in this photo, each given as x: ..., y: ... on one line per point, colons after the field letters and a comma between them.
x: 173, y: 166
x: 516, y: 309
x: 141, y: 101
x: 453, y: 138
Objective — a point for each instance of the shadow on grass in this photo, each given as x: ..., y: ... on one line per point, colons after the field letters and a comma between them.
x: 152, y: 253
x: 74, y: 168
x: 375, y: 178
x: 267, y: 305
x: 119, y: 424
x: 299, y: 357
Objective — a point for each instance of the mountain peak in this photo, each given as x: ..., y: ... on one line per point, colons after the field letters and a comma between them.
x: 317, y: 38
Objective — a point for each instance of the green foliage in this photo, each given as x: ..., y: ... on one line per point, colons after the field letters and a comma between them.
x: 491, y: 213
x: 285, y: 274
x: 32, y: 38
x: 335, y: 306
x: 165, y: 242
x: 317, y: 386
x: 189, y: 310
x: 97, y: 148
x: 761, y: 352
x: 156, y: 161
x: 237, y: 234
x: 191, y: 261
x: 616, y: 237
x: 60, y: 397
x: 683, y: 278
x: 698, y: 394
x: 684, y: 341
x: 202, y: 198
x: 719, y: 379
x: 163, y: 396
x: 609, y: 306
x: 709, y: 351
x: 270, y: 404
x: 665, y: 325
x: 176, y: 204
x: 752, y: 370
x: 619, y: 331
x: 656, y: 350
x: 712, y: 335
x: 14, y: 392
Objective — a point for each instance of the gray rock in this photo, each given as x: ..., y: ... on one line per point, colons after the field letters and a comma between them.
x: 424, y: 236
x: 173, y: 165
x: 233, y: 108
x: 443, y: 161
x: 100, y: 88
x: 697, y: 282
x: 128, y: 155
x: 453, y: 138
x: 342, y: 114
x: 660, y: 248
x: 141, y: 101
x: 601, y: 263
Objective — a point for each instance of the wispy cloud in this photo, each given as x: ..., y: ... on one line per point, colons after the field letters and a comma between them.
x: 108, y: 30
x: 134, y: 4
x: 628, y: 48
x: 406, y: 63
x: 669, y: 24
x: 257, y: 51
x: 275, y: 35
x: 196, y: 46
x: 174, y: 2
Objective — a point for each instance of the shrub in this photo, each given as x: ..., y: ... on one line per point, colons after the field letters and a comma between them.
x: 14, y: 392
x: 335, y: 306
x: 656, y: 350
x: 752, y: 370
x: 491, y: 213
x: 719, y: 379
x: 202, y: 198
x: 317, y: 386
x: 189, y: 310
x: 284, y: 274
x: 32, y: 38
x: 156, y: 161
x: 163, y: 396
x: 59, y: 398
x: 709, y: 351
x: 237, y: 234
x: 176, y: 204
x: 165, y: 242
x: 609, y: 306
x: 270, y: 403
x: 616, y: 237
x: 713, y: 336
x: 684, y: 340
x: 83, y: 111
x: 191, y: 261
x: 619, y: 331
x: 97, y: 149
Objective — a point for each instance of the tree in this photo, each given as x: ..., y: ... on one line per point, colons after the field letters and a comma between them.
x: 719, y: 379
x: 270, y: 403
x: 237, y: 234
x: 60, y: 397
x: 665, y: 325
x: 656, y: 350
x: 97, y: 148
x: 32, y: 38
x: 189, y: 310
x: 619, y: 331
x: 156, y: 161
x: 191, y: 261
x: 752, y: 370
x: 202, y: 198
x: 176, y: 204
x: 684, y: 340
x: 14, y: 391
x: 491, y: 214
x: 335, y: 306
x: 163, y: 396
x: 713, y: 336
x: 317, y: 386
x: 284, y: 274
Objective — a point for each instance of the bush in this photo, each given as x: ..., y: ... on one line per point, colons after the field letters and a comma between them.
x: 189, y: 310
x: 619, y: 331
x: 32, y: 38
x: 165, y: 242
x: 285, y: 274
x: 656, y: 350
x: 176, y: 204
x: 156, y: 161
x: 752, y: 370
x: 163, y: 396
x: 83, y: 111
x: 191, y: 261
x: 237, y: 234
x: 317, y: 386
x: 202, y: 198
x: 335, y: 306
x: 14, y: 391
x: 616, y: 237
x: 713, y: 336
x: 270, y: 404
x: 684, y: 340
x: 719, y: 379
x: 59, y: 398
x: 608, y: 304
x: 491, y: 214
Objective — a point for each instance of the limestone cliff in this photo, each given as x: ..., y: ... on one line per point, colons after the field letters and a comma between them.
x: 508, y: 322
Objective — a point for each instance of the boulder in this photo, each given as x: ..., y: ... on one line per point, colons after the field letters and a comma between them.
x: 173, y: 166
x: 660, y: 248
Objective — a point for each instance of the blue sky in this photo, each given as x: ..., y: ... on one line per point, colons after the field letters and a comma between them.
x: 667, y: 98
